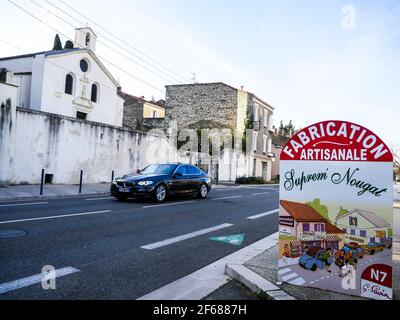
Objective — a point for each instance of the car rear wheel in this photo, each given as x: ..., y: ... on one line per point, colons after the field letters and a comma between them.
x: 314, y: 267
x: 161, y: 193
x: 372, y: 252
x: 203, y: 191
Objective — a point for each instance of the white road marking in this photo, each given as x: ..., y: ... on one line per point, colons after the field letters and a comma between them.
x: 257, y: 216
x: 298, y: 281
x: 95, y: 199
x: 167, y: 242
x: 56, y: 217
x: 202, y: 282
x: 283, y: 271
x: 290, y: 276
x: 260, y: 193
x: 223, y: 198
x: 23, y: 204
x: 167, y: 204
x: 28, y: 281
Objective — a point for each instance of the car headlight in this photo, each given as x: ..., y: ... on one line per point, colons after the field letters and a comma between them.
x: 145, y: 183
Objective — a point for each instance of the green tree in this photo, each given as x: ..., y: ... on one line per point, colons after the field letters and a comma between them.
x: 69, y: 45
x: 342, y: 212
x: 57, y: 43
x: 320, y: 208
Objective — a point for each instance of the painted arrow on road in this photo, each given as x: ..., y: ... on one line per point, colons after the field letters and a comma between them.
x: 236, y: 239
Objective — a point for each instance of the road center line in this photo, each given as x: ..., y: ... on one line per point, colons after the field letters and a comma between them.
x: 56, y: 217
x: 28, y: 281
x: 260, y: 193
x: 223, y: 198
x: 167, y: 204
x: 257, y: 216
x: 185, y: 237
x: 23, y: 204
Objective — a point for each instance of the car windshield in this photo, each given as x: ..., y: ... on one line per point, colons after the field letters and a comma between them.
x: 159, y: 169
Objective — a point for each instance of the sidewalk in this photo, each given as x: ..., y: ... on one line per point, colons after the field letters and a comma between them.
x: 396, y: 196
x: 51, y: 191
x: 263, y: 269
x: 26, y: 192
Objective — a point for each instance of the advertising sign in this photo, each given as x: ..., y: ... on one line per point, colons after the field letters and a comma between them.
x: 336, y: 211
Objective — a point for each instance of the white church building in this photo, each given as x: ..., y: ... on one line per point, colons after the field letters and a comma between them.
x: 70, y: 82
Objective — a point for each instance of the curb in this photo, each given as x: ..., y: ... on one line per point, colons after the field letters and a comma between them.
x: 65, y: 196
x: 256, y: 283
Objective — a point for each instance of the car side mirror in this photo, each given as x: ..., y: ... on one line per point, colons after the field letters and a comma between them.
x: 138, y: 171
x: 178, y: 174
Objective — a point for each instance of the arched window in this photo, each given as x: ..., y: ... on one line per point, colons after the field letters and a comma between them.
x: 69, y: 84
x: 87, y: 42
x: 95, y: 92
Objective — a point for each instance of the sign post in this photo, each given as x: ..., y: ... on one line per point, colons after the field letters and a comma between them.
x: 336, y: 211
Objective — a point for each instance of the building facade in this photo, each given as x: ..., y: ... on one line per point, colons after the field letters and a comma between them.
x: 70, y: 82
x: 363, y: 227
x: 137, y: 110
x: 301, y: 227
x: 220, y: 106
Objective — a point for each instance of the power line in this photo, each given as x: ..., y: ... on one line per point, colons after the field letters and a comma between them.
x: 63, y: 34
x: 119, y: 46
x: 121, y: 40
x: 67, y: 22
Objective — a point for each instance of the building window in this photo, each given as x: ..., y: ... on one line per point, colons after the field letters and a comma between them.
x: 69, y: 84
x: 269, y: 149
x: 344, y: 230
x: 353, y: 221
x: 94, y: 95
x: 256, y: 111
x: 81, y: 115
x: 255, y: 137
x: 155, y: 114
x: 353, y: 232
x: 266, y: 118
x: 319, y: 228
x: 84, y: 65
x: 87, y: 42
x: 306, y: 227
x: 265, y: 144
x: 363, y: 233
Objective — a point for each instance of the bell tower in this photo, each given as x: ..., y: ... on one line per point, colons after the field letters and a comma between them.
x: 85, y: 38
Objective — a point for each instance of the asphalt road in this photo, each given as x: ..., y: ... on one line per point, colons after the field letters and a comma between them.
x: 115, y: 250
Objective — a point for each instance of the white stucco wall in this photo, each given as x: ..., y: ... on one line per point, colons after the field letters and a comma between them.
x: 7, y: 122
x: 64, y: 146
x: 44, y: 90
x: 109, y: 107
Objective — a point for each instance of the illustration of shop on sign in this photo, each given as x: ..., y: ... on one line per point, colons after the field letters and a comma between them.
x: 336, y: 216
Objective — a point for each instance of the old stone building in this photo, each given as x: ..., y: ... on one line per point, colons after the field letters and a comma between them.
x: 137, y: 110
x: 221, y: 106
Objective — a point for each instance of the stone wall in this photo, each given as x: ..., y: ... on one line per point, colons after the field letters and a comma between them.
x: 133, y: 111
x: 209, y: 105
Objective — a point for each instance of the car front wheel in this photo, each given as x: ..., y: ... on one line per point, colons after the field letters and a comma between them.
x: 161, y: 193
x: 203, y: 191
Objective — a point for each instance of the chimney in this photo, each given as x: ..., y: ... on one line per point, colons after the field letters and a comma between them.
x: 241, y: 88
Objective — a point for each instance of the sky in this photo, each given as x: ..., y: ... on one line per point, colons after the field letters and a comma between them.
x: 312, y: 60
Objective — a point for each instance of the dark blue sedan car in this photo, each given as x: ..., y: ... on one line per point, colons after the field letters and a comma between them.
x: 159, y: 181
